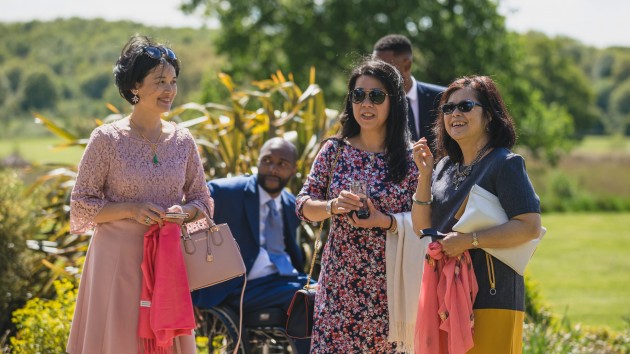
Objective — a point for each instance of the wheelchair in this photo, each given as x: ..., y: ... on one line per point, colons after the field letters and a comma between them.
x: 263, y: 331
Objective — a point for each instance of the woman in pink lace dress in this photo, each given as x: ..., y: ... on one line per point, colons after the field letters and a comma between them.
x: 132, y: 172
x: 351, y: 310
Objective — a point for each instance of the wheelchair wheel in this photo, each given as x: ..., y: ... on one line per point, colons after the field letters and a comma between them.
x: 270, y: 340
x: 220, y: 326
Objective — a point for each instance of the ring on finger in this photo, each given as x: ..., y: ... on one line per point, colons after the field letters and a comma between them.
x: 147, y: 220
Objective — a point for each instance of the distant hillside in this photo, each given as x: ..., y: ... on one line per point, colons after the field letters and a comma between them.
x: 63, y: 68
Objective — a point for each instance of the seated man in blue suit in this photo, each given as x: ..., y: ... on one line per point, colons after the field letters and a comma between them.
x: 422, y: 98
x: 261, y: 215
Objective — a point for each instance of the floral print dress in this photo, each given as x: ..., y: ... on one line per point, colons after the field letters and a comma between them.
x: 351, y: 313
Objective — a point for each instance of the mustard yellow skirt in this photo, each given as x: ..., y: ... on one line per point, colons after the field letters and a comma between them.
x: 498, y: 331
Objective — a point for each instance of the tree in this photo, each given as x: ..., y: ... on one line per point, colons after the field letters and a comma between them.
x: 451, y: 38
x: 619, y: 109
x: 553, y: 70
x: 454, y: 37
x: 39, y: 91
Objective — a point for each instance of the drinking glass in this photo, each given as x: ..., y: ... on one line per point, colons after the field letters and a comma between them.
x: 360, y: 188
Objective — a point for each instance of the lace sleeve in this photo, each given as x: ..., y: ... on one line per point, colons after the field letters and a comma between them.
x: 87, y: 198
x: 195, y: 189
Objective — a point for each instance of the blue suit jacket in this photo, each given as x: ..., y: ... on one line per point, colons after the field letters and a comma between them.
x: 237, y: 203
x: 429, y: 97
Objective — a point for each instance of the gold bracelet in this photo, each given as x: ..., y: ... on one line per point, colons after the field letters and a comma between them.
x: 420, y: 202
x: 394, y: 228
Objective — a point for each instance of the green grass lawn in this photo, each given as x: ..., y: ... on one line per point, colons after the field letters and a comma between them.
x: 40, y: 150
x: 583, y: 267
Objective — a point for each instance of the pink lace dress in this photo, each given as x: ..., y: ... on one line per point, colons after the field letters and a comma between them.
x: 117, y: 167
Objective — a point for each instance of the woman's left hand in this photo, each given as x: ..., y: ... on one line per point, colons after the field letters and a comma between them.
x: 175, y: 209
x: 376, y: 218
x: 455, y: 243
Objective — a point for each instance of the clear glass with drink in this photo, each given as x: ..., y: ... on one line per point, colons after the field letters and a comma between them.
x: 360, y: 188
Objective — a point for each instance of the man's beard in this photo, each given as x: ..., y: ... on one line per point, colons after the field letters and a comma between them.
x: 263, y: 181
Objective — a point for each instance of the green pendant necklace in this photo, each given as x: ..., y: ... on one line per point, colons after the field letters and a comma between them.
x: 152, y: 144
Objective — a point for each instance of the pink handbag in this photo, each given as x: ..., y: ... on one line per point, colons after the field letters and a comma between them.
x: 212, y: 256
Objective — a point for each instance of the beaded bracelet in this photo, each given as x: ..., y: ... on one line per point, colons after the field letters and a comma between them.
x: 391, y: 221
x: 420, y: 202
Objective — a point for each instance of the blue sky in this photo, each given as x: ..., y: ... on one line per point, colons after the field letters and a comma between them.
x: 599, y: 23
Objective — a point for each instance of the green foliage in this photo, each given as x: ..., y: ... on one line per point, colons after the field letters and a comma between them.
x: 16, y: 214
x: 330, y: 35
x: 39, y: 91
x: 554, y: 72
x: 63, y: 68
x: 564, y: 194
x: 44, y: 325
x: 619, y: 108
x: 295, y: 35
x: 559, y: 337
x: 543, y: 129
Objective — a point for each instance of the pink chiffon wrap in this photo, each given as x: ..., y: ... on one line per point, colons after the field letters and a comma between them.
x: 166, y: 309
x: 445, y: 320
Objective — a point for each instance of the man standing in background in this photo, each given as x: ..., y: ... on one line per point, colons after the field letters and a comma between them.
x: 422, y: 98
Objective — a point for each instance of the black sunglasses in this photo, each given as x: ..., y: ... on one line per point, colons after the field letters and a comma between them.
x: 463, y: 106
x: 159, y: 52
x: 377, y: 96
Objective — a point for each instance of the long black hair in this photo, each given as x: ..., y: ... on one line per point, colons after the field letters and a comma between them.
x: 134, y: 64
x: 501, y: 127
x: 397, y: 136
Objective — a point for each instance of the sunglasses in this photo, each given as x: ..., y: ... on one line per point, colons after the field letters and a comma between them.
x: 159, y: 52
x: 464, y: 106
x: 377, y: 96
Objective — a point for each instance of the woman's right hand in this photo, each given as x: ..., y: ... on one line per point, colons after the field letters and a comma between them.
x: 147, y: 213
x: 423, y: 157
x: 347, y: 202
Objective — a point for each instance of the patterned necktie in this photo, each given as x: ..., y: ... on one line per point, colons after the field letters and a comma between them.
x: 274, y: 240
x: 412, y: 122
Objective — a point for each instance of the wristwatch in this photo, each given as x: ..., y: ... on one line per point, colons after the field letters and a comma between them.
x: 329, y: 207
x: 475, y: 241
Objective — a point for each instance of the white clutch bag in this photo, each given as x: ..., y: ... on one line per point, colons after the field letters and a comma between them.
x: 484, y: 211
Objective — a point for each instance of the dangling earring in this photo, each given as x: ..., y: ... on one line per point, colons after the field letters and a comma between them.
x: 488, y: 128
x: 135, y: 99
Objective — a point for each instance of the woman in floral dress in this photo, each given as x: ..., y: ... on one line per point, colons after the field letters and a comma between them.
x: 351, y: 313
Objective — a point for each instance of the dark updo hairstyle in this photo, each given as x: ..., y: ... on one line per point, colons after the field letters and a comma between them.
x: 397, y: 136
x: 134, y: 64
x: 501, y: 126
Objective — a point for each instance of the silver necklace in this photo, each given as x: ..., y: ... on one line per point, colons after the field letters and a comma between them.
x: 460, y: 176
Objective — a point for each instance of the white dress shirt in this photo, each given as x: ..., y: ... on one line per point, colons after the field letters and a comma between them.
x: 412, y: 95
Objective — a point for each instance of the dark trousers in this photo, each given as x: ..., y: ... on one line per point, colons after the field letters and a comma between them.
x: 271, y: 291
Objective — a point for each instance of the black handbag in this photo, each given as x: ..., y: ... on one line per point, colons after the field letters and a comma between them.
x: 300, y: 313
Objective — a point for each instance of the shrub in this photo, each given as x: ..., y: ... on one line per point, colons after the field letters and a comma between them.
x: 563, y: 194
x: 16, y: 215
x: 44, y: 325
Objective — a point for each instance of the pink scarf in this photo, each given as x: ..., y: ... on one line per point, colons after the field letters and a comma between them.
x: 445, y: 320
x: 165, y: 304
